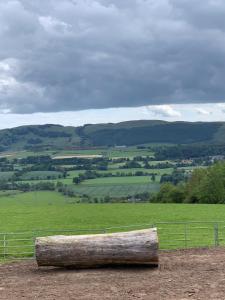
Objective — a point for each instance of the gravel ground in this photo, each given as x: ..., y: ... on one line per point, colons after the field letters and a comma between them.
x: 188, y: 274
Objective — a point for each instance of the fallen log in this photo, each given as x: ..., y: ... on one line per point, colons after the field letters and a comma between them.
x: 135, y: 247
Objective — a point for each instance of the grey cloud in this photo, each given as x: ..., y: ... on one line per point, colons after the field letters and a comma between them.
x: 81, y: 54
x: 165, y: 111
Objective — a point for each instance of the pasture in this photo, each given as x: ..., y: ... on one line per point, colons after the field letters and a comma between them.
x: 114, y: 190
x: 107, y: 180
x: 51, y: 210
x: 127, y: 152
x: 42, y: 175
x: 6, y: 175
x: 43, y: 210
x: 25, y: 215
x: 118, y: 180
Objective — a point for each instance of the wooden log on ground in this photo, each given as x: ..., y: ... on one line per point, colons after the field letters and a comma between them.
x: 135, y: 248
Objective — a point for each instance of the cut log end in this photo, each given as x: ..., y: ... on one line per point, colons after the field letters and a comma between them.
x: 84, y: 251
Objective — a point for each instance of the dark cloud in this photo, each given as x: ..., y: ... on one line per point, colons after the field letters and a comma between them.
x: 60, y: 55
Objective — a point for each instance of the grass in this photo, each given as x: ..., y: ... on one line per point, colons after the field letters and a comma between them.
x: 9, y: 193
x: 36, y: 175
x: 116, y: 186
x: 128, y: 153
x: 75, y: 173
x: 127, y: 171
x: 6, y: 175
x: 34, y: 181
x: 52, y: 211
x: 118, y: 180
x: 115, y: 190
x: 109, y: 152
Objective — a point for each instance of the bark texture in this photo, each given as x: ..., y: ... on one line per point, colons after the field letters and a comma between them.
x: 135, y: 247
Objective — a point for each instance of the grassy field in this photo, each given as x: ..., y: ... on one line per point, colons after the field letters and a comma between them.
x: 6, y: 175
x: 43, y: 210
x: 35, y: 212
x: 114, y: 190
x: 132, y: 152
x: 36, y: 175
x: 51, y: 211
x: 118, y: 180
x: 108, y: 152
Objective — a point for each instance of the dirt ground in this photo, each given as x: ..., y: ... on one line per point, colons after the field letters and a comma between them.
x: 190, y: 274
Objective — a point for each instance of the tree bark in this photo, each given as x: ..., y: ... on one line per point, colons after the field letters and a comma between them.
x: 135, y: 247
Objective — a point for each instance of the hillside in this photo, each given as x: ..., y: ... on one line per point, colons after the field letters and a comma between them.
x: 125, y: 133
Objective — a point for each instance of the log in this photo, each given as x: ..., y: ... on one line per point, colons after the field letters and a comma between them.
x: 83, y: 251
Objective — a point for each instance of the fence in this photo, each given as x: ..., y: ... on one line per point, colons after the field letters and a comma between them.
x: 179, y: 235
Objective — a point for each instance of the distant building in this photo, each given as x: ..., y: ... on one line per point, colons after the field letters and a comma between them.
x: 120, y: 147
x: 216, y: 158
x: 187, y: 161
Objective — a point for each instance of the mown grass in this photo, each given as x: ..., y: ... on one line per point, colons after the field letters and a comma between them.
x: 52, y: 210
x: 45, y: 211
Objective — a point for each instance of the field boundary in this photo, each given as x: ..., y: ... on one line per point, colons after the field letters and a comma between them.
x: 20, y: 245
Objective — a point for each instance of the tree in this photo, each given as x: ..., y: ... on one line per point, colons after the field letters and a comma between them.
x: 76, y: 180
x: 153, y: 178
x: 194, y: 186
x: 213, y: 188
x: 170, y: 193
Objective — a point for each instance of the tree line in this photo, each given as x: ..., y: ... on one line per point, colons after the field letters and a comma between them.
x: 205, y: 185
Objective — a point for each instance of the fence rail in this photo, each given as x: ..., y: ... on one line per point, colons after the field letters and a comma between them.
x: 172, y: 235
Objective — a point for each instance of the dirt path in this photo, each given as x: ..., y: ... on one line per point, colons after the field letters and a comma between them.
x: 191, y: 274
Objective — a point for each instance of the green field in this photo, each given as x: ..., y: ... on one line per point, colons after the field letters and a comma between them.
x: 35, y: 212
x: 34, y: 181
x: 41, y: 210
x: 132, y: 152
x: 6, y: 175
x: 118, y: 180
x: 114, y: 190
x: 36, y: 175
x: 108, y: 152
x: 26, y: 215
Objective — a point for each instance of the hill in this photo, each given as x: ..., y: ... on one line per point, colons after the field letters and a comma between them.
x: 129, y: 133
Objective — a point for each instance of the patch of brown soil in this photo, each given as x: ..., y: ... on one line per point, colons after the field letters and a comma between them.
x: 189, y: 274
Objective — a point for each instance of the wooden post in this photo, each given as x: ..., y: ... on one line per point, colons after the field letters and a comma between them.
x: 216, y: 234
x: 135, y: 247
x: 4, y: 246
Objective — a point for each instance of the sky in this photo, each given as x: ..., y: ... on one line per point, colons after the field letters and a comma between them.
x: 74, y: 62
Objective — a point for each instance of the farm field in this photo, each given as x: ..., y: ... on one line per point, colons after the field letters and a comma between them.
x: 108, y: 152
x: 90, y: 156
x: 6, y: 175
x: 36, y: 175
x: 111, y: 190
x: 53, y: 176
x: 114, y: 190
x: 115, y: 170
x: 37, y: 211
x: 42, y: 210
x: 118, y: 180
x: 116, y: 186
x: 107, y: 174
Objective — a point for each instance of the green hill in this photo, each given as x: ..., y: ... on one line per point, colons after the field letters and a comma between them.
x: 125, y: 133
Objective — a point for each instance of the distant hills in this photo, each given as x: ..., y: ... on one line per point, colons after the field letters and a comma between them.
x: 129, y: 133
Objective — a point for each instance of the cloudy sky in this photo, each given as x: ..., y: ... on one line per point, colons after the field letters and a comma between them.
x: 86, y: 61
